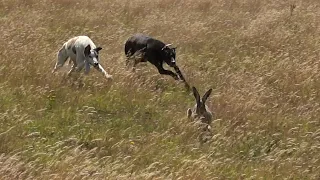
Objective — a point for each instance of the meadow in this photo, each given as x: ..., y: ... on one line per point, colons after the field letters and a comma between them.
x: 260, y: 57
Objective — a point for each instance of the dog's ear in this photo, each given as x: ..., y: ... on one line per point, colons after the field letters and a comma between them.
x: 98, y: 49
x: 87, y: 50
x: 174, y: 49
x: 165, y: 47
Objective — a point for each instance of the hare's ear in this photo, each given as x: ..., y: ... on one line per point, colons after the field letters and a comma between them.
x: 196, y: 94
x: 206, y: 95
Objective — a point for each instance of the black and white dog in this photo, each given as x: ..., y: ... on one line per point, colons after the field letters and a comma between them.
x: 154, y: 51
x: 83, y: 53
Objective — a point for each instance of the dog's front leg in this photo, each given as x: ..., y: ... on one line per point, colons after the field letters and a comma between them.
x: 181, y: 76
x: 80, y: 67
x: 87, y: 68
x: 100, y: 68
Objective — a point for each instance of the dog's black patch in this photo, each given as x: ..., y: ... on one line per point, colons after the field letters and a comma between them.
x: 74, y: 50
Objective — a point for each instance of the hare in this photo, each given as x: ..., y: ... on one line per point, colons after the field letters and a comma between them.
x: 200, y: 111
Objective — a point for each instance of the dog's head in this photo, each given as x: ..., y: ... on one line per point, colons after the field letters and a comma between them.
x: 169, y: 54
x: 92, y: 55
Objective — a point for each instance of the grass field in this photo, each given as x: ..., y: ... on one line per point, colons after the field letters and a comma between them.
x: 260, y: 57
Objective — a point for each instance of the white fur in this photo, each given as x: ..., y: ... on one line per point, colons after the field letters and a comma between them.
x: 74, y: 49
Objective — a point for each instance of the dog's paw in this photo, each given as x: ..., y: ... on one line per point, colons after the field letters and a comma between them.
x: 109, y: 77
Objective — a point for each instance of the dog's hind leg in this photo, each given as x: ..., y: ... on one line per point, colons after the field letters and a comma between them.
x: 128, y: 56
x: 72, y: 69
x: 138, y: 56
x: 62, y: 58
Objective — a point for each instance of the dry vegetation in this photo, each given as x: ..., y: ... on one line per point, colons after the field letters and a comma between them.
x: 261, y: 60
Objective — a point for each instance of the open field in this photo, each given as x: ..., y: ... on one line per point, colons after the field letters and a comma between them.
x: 260, y: 58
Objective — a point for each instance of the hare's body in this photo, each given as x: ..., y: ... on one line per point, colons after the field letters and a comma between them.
x: 204, y: 117
x: 200, y: 112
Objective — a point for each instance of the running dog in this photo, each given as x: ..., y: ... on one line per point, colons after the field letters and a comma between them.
x: 83, y: 53
x: 154, y: 51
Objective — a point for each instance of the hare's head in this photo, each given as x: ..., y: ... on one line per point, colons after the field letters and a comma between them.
x: 200, y: 110
x: 201, y: 106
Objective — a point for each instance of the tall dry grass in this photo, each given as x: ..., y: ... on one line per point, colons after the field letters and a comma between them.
x: 260, y: 59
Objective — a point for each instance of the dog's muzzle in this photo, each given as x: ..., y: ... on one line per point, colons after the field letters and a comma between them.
x: 171, y: 62
x: 96, y: 64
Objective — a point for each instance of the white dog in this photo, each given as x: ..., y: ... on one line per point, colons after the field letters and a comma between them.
x: 83, y: 53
